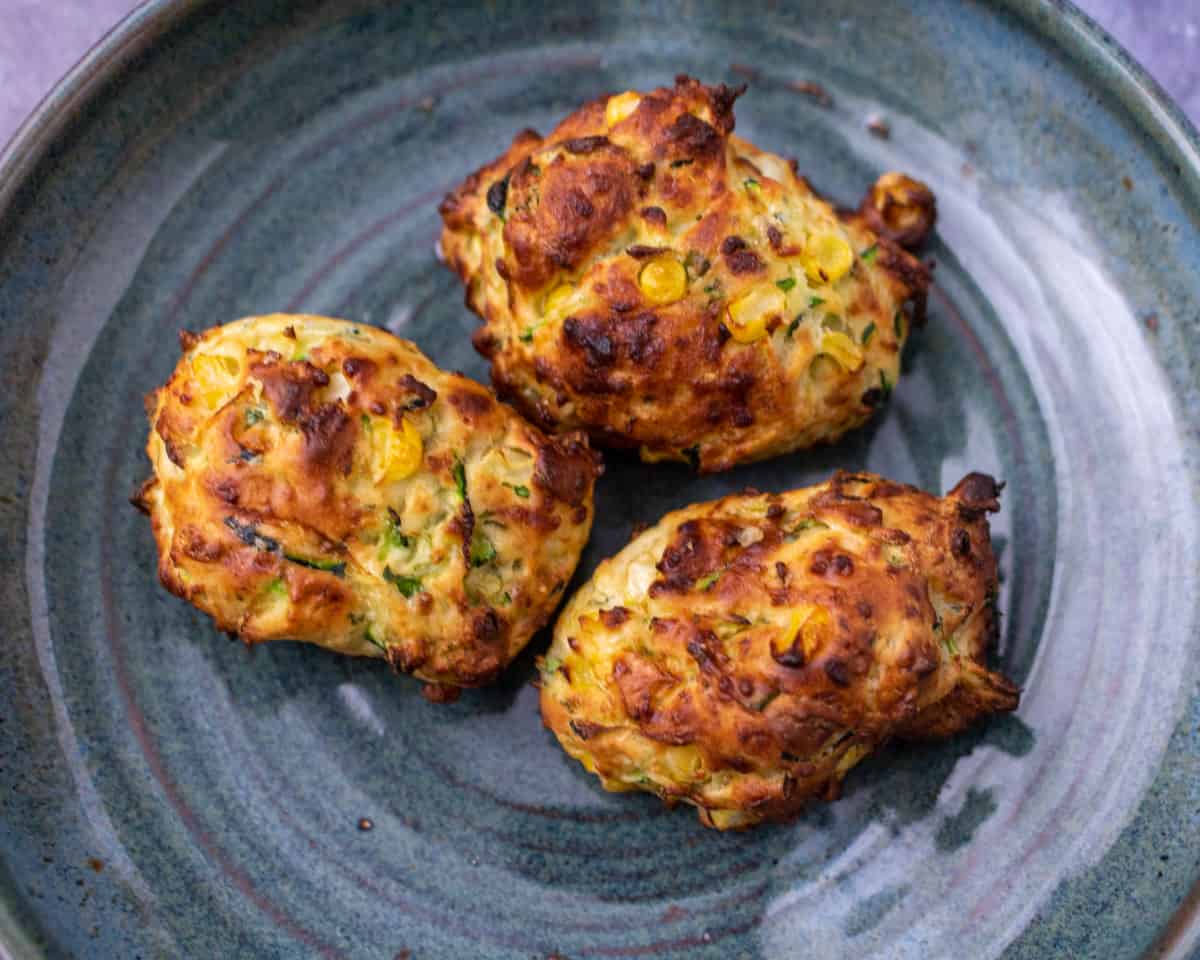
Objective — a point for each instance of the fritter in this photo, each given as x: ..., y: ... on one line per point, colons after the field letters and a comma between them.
x: 743, y: 655
x: 323, y: 481
x: 647, y: 276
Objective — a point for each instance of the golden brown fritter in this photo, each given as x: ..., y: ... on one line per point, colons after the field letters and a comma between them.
x: 322, y: 481
x: 651, y: 278
x: 742, y: 655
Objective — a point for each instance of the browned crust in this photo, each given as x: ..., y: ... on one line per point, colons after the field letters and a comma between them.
x: 588, y: 204
x: 270, y: 513
x: 698, y: 660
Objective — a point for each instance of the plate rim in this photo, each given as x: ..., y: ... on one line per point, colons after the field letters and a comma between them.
x: 1092, y: 50
x: 1059, y: 21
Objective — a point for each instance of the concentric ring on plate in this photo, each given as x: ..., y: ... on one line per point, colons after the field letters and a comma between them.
x: 334, y: 742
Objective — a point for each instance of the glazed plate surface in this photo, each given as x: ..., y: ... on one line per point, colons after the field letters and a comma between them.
x: 165, y: 792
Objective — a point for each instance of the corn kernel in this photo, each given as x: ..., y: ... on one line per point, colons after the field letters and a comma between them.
x: 844, y: 350
x: 814, y: 627
x: 827, y: 258
x: 852, y: 756
x: 781, y: 643
x: 396, y: 454
x: 727, y: 819
x: 816, y: 632
x: 749, y: 314
x: 620, y: 107
x: 682, y: 763
x: 556, y: 299
x: 663, y: 280
x: 651, y: 455
x: 216, y: 377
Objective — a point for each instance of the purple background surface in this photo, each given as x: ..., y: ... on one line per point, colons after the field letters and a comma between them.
x: 41, y: 39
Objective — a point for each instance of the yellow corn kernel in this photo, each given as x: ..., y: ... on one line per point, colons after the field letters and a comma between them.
x: 682, y: 763
x: 620, y: 107
x: 216, y: 377
x: 852, y: 756
x: 827, y: 258
x: 781, y: 643
x: 588, y: 763
x: 750, y: 313
x: 650, y: 455
x: 663, y: 280
x: 395, y: 454
x: 816, y: 632
x: 556, y: 299
x: 727, y: 819
x: 844, y: 350
x: 812, y: 624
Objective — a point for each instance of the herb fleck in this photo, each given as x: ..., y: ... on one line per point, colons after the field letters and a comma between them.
x: 868, y: 255
x: 406, y: 585
x: 393, y: 537
x: 808, y: 523
x: 696, y: 264
x: 370, y: 638
x: 460, y: 478
x: 482, y: 550
x: 786, y: 284
x: 868, y: 333
x: 336, y: 567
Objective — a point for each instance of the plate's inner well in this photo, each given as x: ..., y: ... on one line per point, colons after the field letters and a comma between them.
x: 246, y: 801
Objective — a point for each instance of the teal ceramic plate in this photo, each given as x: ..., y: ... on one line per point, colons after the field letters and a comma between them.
x: 167, y: 793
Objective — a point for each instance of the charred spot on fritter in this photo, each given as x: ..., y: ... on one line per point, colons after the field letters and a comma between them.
x: 644, y: 251
x: 655, y: 215
x: 695, y: 551
x: 978, y: 492
x: 288, y: 386
x: 419, y: 395
x: 557, y: 217
x: 567, y: 468
x: 744, y: 655
x: 472, y: 403
x: 322, y: 481
x: 329, y: 437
